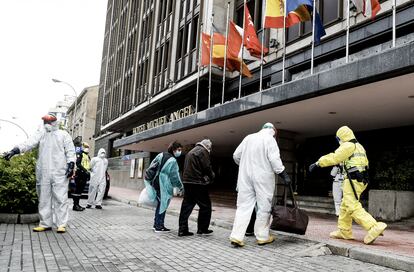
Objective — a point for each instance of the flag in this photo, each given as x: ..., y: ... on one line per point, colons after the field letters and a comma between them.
x: 251, y: 42
x: 219, y: 44
x: 369, y: 8
x: 297, y: 11
x: 275, y: 11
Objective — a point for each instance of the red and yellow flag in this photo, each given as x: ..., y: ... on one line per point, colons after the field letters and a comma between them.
x: 275, y: 11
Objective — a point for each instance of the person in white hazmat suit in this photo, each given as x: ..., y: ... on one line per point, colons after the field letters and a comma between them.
x: 97, y: 183
x: 258, y: 158
x: 55, y: 164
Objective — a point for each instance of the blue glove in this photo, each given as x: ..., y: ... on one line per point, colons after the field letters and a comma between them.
x: 285, y: 177
x: 313, y: 166
x: 11, y: 153
x: 69, y: 169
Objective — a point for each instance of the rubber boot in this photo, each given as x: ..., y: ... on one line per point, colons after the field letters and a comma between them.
x: 342, y: 234
x: 41, y: 229
x: 76, y: 206
x: 236, y: 243
x: 265, y: 242
x: 374, y: 232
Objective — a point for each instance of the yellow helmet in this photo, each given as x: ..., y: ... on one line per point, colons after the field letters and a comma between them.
x: 85, y: 144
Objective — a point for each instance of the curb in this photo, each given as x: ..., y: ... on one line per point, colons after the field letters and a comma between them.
x: 387, y: 259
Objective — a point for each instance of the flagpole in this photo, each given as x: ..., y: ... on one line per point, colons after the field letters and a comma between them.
x: 261, y: 53
x: 225, y: 52
x: 313, y: 36
x: 211, y: 58
x: 347, y: 31
x: 199, y: 64
x: 242, y: 54
x: 394, y: 30
x: 284, y: 44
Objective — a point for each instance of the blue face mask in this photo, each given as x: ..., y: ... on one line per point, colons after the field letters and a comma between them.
x: 177, y: 153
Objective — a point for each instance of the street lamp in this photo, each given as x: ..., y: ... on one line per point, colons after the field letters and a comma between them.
x: 13, y: 123
x: 76, y: 101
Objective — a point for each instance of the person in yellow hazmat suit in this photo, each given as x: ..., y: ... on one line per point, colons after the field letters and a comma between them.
x: 355, y: 162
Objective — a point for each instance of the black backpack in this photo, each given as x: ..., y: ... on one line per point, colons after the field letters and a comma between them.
x: 155, y: 167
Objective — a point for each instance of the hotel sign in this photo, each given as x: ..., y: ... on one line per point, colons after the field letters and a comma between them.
x: 176, y: 115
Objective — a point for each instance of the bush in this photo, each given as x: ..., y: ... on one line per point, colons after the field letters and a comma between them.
x: 394, y: 170
x: 18, y: 184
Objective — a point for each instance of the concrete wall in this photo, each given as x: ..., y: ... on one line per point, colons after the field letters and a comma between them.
x: 391, y: 205
x: 119, y: 168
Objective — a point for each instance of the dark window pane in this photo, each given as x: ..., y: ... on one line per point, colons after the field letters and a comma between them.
x: 293, y: 32
x: 330, y: 10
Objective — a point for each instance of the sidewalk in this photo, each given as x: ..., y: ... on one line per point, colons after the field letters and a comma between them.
x: 395, y: 249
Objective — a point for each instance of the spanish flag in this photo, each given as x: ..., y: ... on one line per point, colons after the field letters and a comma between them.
x: 219, y: 44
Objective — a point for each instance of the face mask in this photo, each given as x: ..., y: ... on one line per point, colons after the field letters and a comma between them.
x: 177, y: 154
x: 102, y: 155
x: 86, y: 150
x: 48, y: 127
x: 270, y: 131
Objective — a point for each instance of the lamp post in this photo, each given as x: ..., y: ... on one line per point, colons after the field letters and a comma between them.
x: 76, y: 101
x: 13, y: 123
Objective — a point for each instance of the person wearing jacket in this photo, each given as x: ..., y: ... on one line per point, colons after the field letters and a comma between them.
x: 97, y: 184
x: 163, y: 184
x: 55, y: 164
x: 355, y: 162
x: 258, y: 158
x: 82, y: 175
x: 197, y: 174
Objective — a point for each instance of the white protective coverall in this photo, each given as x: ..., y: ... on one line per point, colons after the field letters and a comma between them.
x: 258, y: 158
x: 56, y: 150
x: 97, y: 183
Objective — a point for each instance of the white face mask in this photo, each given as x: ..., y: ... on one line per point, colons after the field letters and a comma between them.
x: 48, y: 127
x: 102, y: 155
x: 86, y: 150
x: 270, y: 131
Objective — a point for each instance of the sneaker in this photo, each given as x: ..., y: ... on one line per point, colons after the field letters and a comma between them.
x: 265, y: 242
x: 185, y: 233
x: 88, y: 206
x: 99, y: 207
x: 206, y: 232
x: 162, y: 229
x: 236, y: 243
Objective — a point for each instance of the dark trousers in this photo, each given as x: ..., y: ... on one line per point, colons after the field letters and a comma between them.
x: 80, y: 182
x: 159, y: 218
x: 250, y: 227
x: 195, y: 194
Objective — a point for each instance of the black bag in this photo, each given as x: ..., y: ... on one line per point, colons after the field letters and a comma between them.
x: 289, y: 219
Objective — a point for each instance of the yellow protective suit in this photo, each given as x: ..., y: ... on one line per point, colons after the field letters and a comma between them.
x: 352, y: 154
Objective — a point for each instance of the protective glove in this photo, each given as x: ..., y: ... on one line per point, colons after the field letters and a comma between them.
x: 11, y: 153
x: 285, y: 177
x: 69, y: 169
x: 313, y: 166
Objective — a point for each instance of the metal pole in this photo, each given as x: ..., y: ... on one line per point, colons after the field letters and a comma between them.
x: 76, y: 101
x: 242, y: 48
x: 261, y: 53
x: 225, y: 52
x: 13, y: 123
x: 199, y: 65
x: 313, y: 36
x: 211, y: 58
x: 347, y: 31
x: 394, y: 14
x: 284, y: 44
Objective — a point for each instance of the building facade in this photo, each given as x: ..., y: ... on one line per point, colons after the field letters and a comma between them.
x: 61, y: 108
x: 82, y: 122
x: 151, y: 91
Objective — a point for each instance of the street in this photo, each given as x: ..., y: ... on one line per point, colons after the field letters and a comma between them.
x: 120, y: 238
